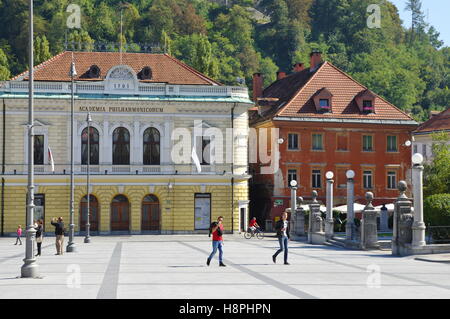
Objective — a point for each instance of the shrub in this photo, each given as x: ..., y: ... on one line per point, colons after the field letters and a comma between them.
x: 437, y: 210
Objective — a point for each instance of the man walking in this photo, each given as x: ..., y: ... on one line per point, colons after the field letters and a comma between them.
x: 217, y: 241
x: 282, y: 228
x: 59, y: 232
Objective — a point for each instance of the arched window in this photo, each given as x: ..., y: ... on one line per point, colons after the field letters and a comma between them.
x: 151, y: 146
x: 120, y: 213
x: 93, y: 213
x: 121, y: 146
x: 93, y: 144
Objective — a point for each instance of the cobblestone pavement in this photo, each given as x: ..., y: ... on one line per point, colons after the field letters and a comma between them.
x: 160, y: 266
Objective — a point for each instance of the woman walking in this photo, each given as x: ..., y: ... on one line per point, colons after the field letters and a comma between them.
x: 39, y: 236
x: 19, y: 233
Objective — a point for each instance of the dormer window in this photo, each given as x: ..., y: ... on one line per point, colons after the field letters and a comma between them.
x: 366, y: 101
x: 323, y: 100
x: 324, y: 103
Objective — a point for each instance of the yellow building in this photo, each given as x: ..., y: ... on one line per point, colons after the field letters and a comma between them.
x: 152, y: 118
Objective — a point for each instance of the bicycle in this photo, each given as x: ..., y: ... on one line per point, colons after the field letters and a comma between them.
x: 257, y: 232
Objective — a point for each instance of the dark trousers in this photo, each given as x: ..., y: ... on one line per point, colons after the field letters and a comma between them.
x: 39, y: 248
x: 18, y: 240
x: 283, y: 246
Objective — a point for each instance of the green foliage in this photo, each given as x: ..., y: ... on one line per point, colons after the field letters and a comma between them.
x: 4, y: 67
x: 437, y: 174
x: 408, y: 67
x: 437, y: 210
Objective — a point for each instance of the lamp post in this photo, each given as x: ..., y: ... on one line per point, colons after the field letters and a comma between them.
x: 329, y: 224
x: 418, y: 227
x: 87, y: 239
x: 30, y: 268
x: 293, y: 185
x: 350, y: 225
x: 71, y: 245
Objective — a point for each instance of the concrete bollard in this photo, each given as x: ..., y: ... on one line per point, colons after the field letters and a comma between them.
x: 369, y: 233
x: 316, y: 234
x: 300, y: 218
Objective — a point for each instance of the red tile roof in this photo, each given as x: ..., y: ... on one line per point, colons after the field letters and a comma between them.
x: 165, y: 69
x: 440, y: 122
x: 296, y: 92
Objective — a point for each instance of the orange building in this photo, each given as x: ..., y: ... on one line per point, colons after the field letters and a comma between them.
x: 327, y: 121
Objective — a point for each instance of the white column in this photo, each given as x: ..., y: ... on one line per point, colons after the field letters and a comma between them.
x: 329, y: 224
x: 350, y: 225
x: 418, y: 227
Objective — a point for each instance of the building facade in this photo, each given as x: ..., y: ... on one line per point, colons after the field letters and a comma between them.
x: 327, y: 121
x: 152, y: 118
x: 423, y: 135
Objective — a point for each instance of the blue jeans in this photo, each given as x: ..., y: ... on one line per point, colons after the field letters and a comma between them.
x: 283, y: 246
x: 217, y: 244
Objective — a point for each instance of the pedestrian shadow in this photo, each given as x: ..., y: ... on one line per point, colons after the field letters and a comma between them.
x: 187, y: 266
x: 10, y: 278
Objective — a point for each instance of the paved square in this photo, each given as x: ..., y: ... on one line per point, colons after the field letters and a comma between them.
x: 161, y: 266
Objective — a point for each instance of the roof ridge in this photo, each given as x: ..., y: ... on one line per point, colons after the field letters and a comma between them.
x: 189, y: 68
x: 39, y: 66
x: 300, y: 90
x: 380, y: 97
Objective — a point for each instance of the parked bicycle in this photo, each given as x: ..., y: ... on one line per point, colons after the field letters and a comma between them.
x: 252, y: 233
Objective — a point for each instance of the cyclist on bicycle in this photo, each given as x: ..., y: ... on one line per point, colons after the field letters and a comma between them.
x: 253, y: 225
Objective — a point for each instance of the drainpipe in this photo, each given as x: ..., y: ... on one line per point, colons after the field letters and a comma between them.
x: 232, y: 168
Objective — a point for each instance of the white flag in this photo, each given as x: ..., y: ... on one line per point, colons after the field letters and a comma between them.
x: 50, y: 159
x: 196, y: 160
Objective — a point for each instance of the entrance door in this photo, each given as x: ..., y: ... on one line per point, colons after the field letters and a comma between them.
x: 202, y: 211
x: 93, y: 213
x: 150, y: 213
x: 120, y: 214
x: 243, y: 219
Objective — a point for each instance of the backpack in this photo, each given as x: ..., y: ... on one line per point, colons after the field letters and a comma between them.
x: 213, y: 224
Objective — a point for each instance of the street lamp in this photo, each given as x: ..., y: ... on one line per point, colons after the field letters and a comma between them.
x: 87, y: 239
x: 329, y: 224
x: 30, y: 268
x: 71, y: 245
x: 350, y: 225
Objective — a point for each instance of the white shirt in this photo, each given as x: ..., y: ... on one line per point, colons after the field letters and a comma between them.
x: 285, y: 225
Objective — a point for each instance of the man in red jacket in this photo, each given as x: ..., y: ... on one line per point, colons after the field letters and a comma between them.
x: 217, y: 241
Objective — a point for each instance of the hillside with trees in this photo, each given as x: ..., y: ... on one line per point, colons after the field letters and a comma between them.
x: 231, y: 40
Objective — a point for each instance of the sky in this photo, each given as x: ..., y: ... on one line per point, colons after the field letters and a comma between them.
x: 436, y: 13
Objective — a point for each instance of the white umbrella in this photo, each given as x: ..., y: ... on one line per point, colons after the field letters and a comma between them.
x: 356, y: 208
x: 322, y: 208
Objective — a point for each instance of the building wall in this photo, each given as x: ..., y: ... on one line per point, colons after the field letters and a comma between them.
x: 176, y: 204
x: 304, y: 160
x: 52, y: 118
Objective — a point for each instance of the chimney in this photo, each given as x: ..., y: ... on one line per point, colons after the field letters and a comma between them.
x: 257, y: 86
x: 281, y: 75
x: 316, y: 60
x: 298, y: 67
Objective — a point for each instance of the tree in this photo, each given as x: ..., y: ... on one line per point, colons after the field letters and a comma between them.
x: 437, y: 174
x: 4, y: 67
x: 41, y: 50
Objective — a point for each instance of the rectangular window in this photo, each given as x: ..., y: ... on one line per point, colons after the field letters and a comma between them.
x: 415, y: 149
x: 392, y: 180
x: 342, y: 142
x: 341, y: 178
x: 293, y: 141
x: 367, y: 179
x: 392, y: 144
x: 39, y: 209
x: 203, y: 149
x: 39, y: 152
x: 367, y: 103
x: 367, y: 143
x: 292, y: 175
x: 316, y: 179
x: 202, y: 211
x: 424, y: 150
x: 324, y: 103
x: 317, y: 143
